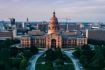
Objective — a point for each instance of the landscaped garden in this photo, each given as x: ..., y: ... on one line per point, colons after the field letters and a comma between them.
x: 13, y: 58
x: 54, y: 59
x: 92, y: 59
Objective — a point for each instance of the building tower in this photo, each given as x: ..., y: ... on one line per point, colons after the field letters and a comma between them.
x: 12, y: 20
x: 27, y: 20
x: 86, y: 33
x: 67, y: 27
x: 53, y: 26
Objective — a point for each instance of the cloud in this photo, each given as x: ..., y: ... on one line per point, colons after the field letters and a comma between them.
x: 42, y: 9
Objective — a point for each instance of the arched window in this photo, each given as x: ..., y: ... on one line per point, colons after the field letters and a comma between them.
x: 53, y: 43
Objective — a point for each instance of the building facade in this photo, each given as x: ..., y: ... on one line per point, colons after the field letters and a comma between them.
x: 54, y: 37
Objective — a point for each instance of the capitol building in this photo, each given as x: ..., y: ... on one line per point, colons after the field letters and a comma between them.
x: 55, y: 37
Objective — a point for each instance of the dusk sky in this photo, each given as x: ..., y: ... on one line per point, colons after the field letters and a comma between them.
x: 74, y: 10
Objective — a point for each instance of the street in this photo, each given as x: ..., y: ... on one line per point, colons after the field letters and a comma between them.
x: 75, y: 61
x: 32, y: 61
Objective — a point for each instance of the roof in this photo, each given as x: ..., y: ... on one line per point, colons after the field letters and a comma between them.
x: 97, y: 34
x: 53, y: 19
x: 72, y: 34
x: 38, y: 37
x: 36, y: 32
x: 6, y: 34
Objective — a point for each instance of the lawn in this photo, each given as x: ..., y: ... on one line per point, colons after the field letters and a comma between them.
x: 39, y: 65
x: 68, y: 65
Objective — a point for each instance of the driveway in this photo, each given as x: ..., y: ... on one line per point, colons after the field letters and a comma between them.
x: 32, y: 61
x: 75, y: 61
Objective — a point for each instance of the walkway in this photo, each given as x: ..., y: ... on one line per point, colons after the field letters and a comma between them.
x: 32, y: 61
x: 75, y: 61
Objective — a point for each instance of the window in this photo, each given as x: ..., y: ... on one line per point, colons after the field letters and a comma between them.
x: 49, y: 28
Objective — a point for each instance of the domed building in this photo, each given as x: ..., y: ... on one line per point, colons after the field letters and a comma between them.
x: 55, y: 37
x: 53, y: 26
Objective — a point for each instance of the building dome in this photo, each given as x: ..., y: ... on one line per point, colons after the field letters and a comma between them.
x: 53, y: 26
x: 53, y: 19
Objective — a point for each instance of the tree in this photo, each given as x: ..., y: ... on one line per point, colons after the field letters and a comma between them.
x: 85, y: 54
x: 13, y: 51
x: 5, y: 54
x: 58, y: 53
x: 34, y: 49
x: 7, y: 43
x: 59, y: 62
x: 103, y: 68
x: 49, y: 55
x: 27, y: 53
x: 49, y: 65
x: 23, y: 63
x: 2, y: 65
x: 77, y: 52
x: 98, y: 60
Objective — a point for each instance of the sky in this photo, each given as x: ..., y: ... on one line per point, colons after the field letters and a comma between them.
x: 41, y: 10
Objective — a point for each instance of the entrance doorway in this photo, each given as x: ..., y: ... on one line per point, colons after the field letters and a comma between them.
x: 53, y: 43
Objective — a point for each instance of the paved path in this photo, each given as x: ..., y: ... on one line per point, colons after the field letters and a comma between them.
x: 75, y: 61
x: 32, y: 61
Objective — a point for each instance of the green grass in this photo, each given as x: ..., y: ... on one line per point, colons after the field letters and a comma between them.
x: 68, y: 66
x: 41, y: 59
x: 41, y: 49
x: 41, y: 67
x: 67, y: 59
